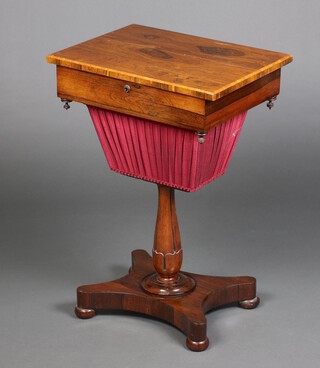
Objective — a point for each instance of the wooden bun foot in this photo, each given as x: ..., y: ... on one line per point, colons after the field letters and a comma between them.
x: 84, y: 313
x: 250, y: 303
x: 197, y: 345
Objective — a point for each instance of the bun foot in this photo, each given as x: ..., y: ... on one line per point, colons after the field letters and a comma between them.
x: 250, y: 303
x: 84, y: 313
x: 197, y: 345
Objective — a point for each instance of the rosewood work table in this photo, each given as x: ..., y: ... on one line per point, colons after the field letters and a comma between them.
x: 168, y: 108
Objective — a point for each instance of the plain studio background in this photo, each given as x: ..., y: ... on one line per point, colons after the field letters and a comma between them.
x: 66, y: 220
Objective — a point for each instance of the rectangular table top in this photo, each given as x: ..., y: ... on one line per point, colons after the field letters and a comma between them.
x: 189, y: 65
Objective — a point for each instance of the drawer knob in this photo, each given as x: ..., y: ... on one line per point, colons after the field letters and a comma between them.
x: 126, y: 88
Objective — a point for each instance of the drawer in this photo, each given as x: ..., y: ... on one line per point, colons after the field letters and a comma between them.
x: 142, y: 101
x: 160, y: 105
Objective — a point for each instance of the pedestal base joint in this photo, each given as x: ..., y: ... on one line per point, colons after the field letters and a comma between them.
x: 181, y: 286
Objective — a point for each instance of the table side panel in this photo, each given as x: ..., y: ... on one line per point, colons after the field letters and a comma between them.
x: 243, y: 99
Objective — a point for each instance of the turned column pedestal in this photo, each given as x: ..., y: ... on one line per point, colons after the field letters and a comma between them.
x: 167, y: 251
x: 156, y: 286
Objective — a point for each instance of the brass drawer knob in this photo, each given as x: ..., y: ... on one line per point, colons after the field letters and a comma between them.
x: 126, y: 88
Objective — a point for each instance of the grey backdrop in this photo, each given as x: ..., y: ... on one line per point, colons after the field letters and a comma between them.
x: 67, y: 220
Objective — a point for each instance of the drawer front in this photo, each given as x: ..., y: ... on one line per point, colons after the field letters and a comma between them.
x: 130, y: 98
x: 159, y: 105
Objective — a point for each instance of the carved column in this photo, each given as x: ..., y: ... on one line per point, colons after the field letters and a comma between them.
x: 167, y: 251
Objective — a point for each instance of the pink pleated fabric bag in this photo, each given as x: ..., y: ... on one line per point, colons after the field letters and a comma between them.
x: 162, y: 153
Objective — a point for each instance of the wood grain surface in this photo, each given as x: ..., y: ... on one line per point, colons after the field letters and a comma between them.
x: 184, y: 64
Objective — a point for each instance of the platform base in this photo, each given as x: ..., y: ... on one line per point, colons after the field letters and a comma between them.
x: 186, y: 312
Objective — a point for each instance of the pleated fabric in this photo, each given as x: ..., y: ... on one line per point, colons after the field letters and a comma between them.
x: 162, y: 153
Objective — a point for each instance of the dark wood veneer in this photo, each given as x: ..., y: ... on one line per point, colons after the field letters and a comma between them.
x: 186, y: 312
